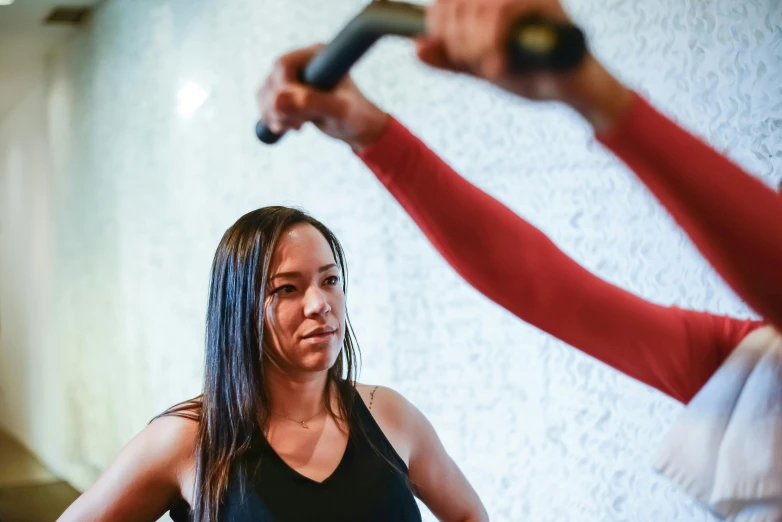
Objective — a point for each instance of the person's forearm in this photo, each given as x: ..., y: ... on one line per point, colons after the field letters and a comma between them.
x: 733, y: 218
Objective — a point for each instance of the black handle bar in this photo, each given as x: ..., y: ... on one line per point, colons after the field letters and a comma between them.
x: 535, y: 44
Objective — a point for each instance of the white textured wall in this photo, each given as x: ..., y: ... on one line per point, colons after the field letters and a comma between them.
x: 112, y: 202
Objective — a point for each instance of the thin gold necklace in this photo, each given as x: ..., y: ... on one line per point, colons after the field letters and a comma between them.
x: 304, y: 422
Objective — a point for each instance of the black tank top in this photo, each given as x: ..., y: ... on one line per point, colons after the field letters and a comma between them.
x: 363, y: 488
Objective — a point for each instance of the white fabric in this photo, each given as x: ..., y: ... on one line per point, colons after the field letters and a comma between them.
x: 726, y: 449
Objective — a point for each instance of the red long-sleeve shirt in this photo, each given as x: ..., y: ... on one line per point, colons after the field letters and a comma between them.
x: 514, y: 264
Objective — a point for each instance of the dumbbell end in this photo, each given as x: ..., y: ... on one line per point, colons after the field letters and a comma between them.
x: 265, y: 134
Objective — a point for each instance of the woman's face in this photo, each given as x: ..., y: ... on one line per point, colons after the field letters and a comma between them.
x: 304, y: 320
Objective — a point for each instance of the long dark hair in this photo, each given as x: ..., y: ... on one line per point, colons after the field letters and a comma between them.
x: 234, y: 404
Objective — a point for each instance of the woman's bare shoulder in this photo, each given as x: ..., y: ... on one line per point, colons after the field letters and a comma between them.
x: 386, y: 402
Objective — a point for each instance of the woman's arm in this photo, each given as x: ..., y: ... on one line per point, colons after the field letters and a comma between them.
x: 435, y: 477
x: 518, y: 267
x: 144, y: 482
x: 733, y: 218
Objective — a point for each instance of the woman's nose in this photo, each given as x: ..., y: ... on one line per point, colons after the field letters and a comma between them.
x: 315, y: 303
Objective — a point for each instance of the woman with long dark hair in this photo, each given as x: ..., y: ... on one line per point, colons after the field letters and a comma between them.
x: 282, y: 431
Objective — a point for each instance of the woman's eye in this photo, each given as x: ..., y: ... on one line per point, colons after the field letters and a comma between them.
x: 284, y: 289
x: 333, y: 280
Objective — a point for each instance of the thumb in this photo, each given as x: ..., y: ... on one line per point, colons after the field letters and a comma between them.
x: 432, y: 53
x: 303, y: 102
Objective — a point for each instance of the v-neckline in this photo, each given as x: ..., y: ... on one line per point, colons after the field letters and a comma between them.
x: 298, y: 474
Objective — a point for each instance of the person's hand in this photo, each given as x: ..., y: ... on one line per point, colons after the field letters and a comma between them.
x: 470, y: 36
x: 343, y: 113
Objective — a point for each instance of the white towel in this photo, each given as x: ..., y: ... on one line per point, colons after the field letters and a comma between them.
x: 726, y: 449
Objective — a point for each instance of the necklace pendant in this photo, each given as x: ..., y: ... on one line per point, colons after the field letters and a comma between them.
x: 304, y: 425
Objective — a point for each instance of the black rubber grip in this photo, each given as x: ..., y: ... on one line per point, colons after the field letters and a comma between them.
x: 535, y: 44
